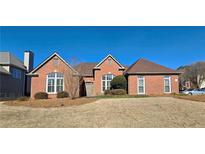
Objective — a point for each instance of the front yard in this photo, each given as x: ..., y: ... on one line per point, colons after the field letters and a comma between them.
x: 118, y: 113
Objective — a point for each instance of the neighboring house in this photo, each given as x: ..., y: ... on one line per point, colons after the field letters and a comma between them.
x: 54, y: 75
x: 147, y: 78
x: 97, y: 76
x: 13, y: 75
x: 186, y: 83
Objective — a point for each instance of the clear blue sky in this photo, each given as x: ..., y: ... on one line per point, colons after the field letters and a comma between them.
x: 169, y: 46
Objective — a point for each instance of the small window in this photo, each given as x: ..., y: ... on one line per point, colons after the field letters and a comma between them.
x: 141, y: 85
x: 55, y: 61
x: 110, y: 61
x: 167, y: 84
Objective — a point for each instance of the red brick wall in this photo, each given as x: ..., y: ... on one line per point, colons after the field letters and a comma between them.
x: 154, y: 84
x: 105, y: 68
x: 38, y: 84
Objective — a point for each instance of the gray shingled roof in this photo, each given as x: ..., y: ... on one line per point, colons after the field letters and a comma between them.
x: 4, y: 71
x: 6, y: 58
x: 85, y: 69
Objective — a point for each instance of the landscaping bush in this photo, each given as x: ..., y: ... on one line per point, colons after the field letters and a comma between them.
x: 24, y: 98
x: 62, y: 94
x: 107, y: 92
x: 115, y: 92
x: 41, y: 95
x: 119, y: 82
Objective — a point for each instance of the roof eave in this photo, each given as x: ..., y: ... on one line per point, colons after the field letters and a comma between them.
x: 152, y: 73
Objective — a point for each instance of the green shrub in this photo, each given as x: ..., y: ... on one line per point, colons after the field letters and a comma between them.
x: 62, y: 94
x: 115, y: 92
x: 23, y: 98
x: 41, y: 95
x: 107, y: 92
x: 119, y: 82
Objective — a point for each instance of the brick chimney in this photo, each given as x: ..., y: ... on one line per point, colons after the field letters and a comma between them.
x: 28, y: 62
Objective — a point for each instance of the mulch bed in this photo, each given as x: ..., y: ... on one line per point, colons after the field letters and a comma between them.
x: 200, y: 98
x: 46, y: 103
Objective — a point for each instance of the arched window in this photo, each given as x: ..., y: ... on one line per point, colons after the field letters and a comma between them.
x: 106, y: 79
x: 55, y: 82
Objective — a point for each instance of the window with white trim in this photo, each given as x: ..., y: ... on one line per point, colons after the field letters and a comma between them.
x: 106, y: 79
x: 55, y: 82
x: 167, y: 84
x: 141, y: 85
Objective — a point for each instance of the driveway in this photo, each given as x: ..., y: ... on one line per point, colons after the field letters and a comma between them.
x: 127, y: 112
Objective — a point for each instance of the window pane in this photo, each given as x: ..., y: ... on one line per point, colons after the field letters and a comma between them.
x: 141, y: 89
x: 51, y: 75
x: 167, y: 89
x: 103, y: 78
x: 108, y: 84
x: 55, y: 62
x: 103, y: 83
x: 51, y: 82
x: 166, y: 82
x: 109, y: 77
x: 51, y: 85
x: 59, y: 88
x: 141, y: 84
x: 60, y: 75
x: 50, y: 88
x: 59, y: 82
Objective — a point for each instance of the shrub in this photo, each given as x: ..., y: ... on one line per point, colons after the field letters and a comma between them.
x: 107, y: 92
x: 119, y: 82
x: 115, y: 92
x: 41, y: 95
x: 62, y: 94
x: 23, y: 98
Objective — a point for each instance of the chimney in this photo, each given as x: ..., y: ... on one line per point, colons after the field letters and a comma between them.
x: 28, y: 60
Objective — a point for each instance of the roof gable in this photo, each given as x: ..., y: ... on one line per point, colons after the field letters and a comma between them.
x: 49, y: 58
x: 85, y: 69
x: 98, y: 65
x: 143, y: 66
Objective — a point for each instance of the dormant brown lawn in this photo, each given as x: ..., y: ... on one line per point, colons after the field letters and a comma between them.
x: 154, y: 112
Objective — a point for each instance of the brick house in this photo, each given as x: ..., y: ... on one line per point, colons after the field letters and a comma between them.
x: 97, y: 76
x: 53, y: 75
x: 145, y: 77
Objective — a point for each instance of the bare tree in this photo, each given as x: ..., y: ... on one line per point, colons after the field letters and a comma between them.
x: 72, y: 80
x: 195, y: 73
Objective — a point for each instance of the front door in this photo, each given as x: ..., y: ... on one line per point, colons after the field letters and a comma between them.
x: 89, y: 89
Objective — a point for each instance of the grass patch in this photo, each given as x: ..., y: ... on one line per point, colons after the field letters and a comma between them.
x: 51, y: 102
x: 121, y: 96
